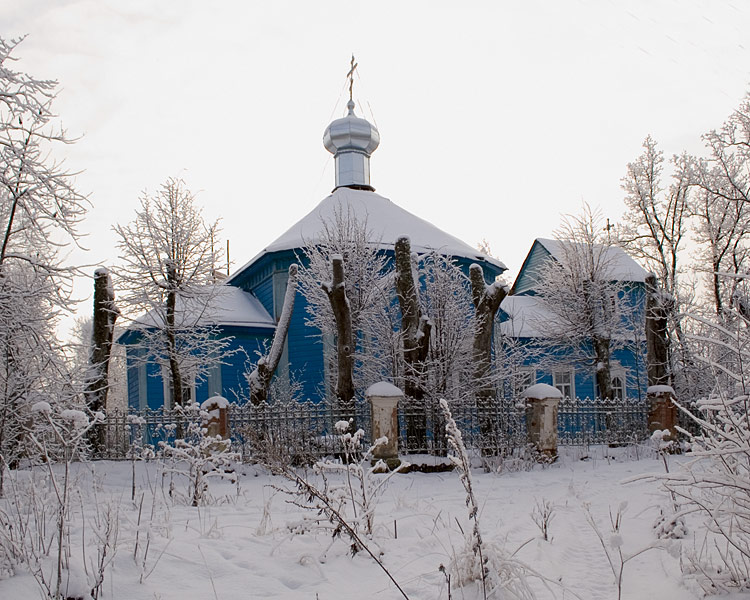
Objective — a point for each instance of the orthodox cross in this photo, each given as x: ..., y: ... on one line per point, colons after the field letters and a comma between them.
x: 350, y: 76
x: 608, y: 229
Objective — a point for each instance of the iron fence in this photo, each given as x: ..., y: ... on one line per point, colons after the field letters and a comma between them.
x: 299, y: 431
x: 601, y: 421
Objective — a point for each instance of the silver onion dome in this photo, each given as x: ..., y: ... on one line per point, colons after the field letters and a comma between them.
x: 352, y: 140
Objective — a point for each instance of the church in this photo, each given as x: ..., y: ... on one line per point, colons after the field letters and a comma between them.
x: 252, y: 302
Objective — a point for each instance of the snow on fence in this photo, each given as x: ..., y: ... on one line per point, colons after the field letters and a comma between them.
x: 299, y: 431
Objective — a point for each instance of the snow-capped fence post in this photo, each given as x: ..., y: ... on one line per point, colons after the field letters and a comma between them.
x: 542, y: 402
x: 662, y: 411
x: 384, y: 398
x: 216, y: 419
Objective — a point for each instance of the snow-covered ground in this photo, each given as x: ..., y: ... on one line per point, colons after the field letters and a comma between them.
x: 240, y: 546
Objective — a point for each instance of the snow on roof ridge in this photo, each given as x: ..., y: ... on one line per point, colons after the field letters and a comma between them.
x: 624, y: 267
x: 385, y: 219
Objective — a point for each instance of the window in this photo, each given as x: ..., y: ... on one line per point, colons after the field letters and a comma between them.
x: 564, y: 380
x: 525, y: 378
x: 618, y: 386
x: 188, y: 388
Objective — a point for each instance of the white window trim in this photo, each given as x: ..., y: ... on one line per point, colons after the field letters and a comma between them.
x: 620, y: 372
x: 559, y: 371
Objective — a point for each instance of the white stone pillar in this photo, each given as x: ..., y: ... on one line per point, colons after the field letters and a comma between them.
x: 384, y: 398
x: 542, y: 402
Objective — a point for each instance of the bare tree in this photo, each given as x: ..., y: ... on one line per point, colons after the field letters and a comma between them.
x: 653, y: 231
x: 447, y: 300
x: 365, y: 286
x: 583, y: 292
x: 40, y: 210
x: 655, y: 223
x: 721, y: 186
x: 167, y: 274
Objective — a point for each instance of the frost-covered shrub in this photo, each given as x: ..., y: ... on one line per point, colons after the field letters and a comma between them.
x: 198, y: 457
x: 479, y: 561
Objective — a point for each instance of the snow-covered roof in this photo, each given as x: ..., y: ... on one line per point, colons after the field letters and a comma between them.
x: 620, y: 265
x: 527, y: 317
x: 229, y: 306
x: 385, y: 220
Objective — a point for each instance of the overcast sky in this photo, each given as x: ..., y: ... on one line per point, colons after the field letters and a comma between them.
x: 495, y: 117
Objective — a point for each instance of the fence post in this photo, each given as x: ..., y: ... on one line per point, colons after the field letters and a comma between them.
x: 217, y: 421
x: 542, y: 403
x: 384, y: 398
x: 662, y: 412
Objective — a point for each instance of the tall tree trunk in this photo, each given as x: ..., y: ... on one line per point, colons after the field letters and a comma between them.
x: 487, y: 299
x: 657, y: 337
x: 171, y: 333
x: 336, y: 292
x: 415, y: 331
x: 97, y: 387
x: 260, y: 378
x: 603, y: 368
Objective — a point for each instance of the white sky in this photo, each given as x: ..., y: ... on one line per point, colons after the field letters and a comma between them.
x: 495, y: 117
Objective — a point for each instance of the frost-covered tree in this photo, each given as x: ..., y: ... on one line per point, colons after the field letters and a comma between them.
x: 362, y: 267
x: 653, y: 231
x: 40, y: 210
x: 720, y: 204
x: 581, y: 291
x: 716, y: 480
x: 655, y: 225
x: 447, y: 300
x: 169, y: 260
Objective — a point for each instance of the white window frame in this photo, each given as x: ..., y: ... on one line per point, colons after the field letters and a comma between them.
x: 615, y: 371
x: 557, y: 374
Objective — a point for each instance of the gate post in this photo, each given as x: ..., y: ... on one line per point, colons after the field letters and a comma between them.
x: 217, y: 422
x: 662, y: 412
x: 542, y: 402
x: 384, y: 398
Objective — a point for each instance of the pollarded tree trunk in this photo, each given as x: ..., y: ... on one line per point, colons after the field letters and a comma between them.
x: 260, y: 378
x: 486, y: 299
x: 336, y: 291
x: 415, y: 331
x: 97, y: 387
x: 657, y: 338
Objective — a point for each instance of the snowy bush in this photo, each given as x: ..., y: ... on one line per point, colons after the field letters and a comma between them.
x: 479, y: 561
x: 198, y: 457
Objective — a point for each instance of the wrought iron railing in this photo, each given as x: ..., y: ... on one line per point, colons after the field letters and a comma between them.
x: 299, y: 431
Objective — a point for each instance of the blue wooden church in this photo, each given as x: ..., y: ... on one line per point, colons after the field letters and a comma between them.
x: 252, y: 305
x: 525, y: 320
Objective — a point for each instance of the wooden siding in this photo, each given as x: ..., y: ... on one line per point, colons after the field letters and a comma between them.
x: 527, y: 276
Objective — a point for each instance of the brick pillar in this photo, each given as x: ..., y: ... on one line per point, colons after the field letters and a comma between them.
x: 217, y: 420
x: 542, y: 402
x: 384, y: 398
x: 662, y: 412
